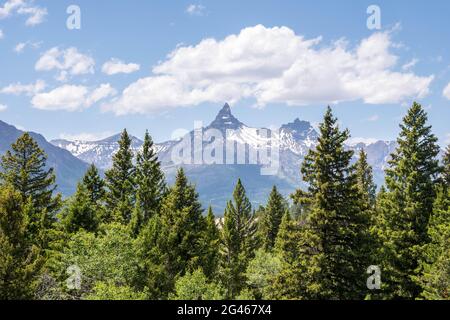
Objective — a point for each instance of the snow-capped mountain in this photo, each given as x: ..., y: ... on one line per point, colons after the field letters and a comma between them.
x: 215, y: 180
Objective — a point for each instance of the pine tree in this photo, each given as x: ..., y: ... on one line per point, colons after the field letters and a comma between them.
x: 435, y: 278
x: 121, y: 183
x: 446, y: 167
x: 181, y: 213
x: 81, y: 212
x: 336, y: 229
x: 238, y: 241
x: 271, y: 218
x: 366, y: 186
x: 406, y: 208
x: 94, y: 184
x: 20, y: 260
x: 212, y: 240
x: 290, y: 246
x: 24, y: 167
x: 150, y: 184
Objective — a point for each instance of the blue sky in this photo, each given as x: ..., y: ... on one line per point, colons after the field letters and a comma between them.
x: 147, y: 65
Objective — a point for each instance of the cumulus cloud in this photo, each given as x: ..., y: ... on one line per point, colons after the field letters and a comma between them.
x: 274, y: 65
x: 115, y: 66
x: 28, y: 89
x: 196, y: 9
x: 71, y: 97
x: 35, y: 14
x: 3, y: 107
x: 69, y: 62
x: 410, y: 64
x: 446, y: 91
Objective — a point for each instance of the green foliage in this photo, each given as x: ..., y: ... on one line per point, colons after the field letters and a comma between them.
x: 212, y: 242
x: 20, y: 261
x: 181, y: 214
x: 336, y: 230
x: 261, y: 272
x: 24, y: 167
x: 150, y: 183
x: 195, y: 286
x: 405, y: 209
x: 111, y: 291
x: 110, y: 256
x: 238, y: 241
x: 120, y: 180
x: 270, y: 218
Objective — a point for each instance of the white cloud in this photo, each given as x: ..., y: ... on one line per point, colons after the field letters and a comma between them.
x: 68, y: 62
x: 28, y: 89
x: 35, y: 14
x: 86, y: 136
x: 3, y: 107
x: 196, y: 9
x: 115, y: 66
x: 273, y: 65
x: 373, y: 118
x: 2, y: 35
x: 410, y: 64
x: 446, y: 91
x: 71, y: 97
x: 21, y: 46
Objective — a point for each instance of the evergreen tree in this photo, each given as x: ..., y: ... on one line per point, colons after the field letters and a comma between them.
x: 212, y: 240
x: 81, y: 212
x: 150, y: 184
x: 336, y: 230
x: 271, y: 218
x: 238, y: 241
x: 24, y: 167
x: 181, y: 213
x: 446, y: 167
x: 95, y: 186
x: 120, y: 182
x: 20, y: 260
x: 406, y: 208
x: 290, y: 246
x: 366, y: 186
x: 435, y: 279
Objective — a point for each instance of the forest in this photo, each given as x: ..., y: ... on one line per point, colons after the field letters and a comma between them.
x: 128, y: 235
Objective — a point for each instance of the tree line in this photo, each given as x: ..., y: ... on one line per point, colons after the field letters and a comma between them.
x: 129, y: 235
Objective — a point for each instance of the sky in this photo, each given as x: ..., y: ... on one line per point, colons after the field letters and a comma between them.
x: 161, y: 65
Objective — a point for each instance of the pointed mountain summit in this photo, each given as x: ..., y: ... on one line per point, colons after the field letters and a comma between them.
x: 225, y: 120
x: 300, y: 129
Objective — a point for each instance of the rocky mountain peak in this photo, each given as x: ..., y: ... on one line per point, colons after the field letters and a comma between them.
x: 226, y: 120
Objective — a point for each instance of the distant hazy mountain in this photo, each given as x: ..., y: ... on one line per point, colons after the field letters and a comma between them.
x: 215, y: 182
x: 68, y: 168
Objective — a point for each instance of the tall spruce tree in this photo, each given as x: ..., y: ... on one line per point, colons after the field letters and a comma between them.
x: 435, y: 276
x: 366, y: 186
x: 150, y: 183
x: 238, y: 241
x: 336, y: 228
x: 20, y: 260
x: 95, y: 185
x: 81, y: 212
x: 271, y: 218
x: 212, y: 240
x: 24, y: 167
x: 405, y: 210
x: 120, y: 182
x: 181, y: 213
x: 291, y: 247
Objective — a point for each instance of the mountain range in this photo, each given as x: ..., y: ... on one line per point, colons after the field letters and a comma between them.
x: 215, y: 182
